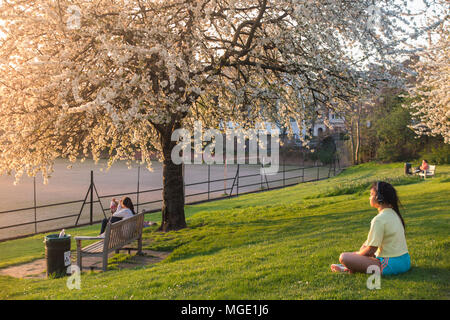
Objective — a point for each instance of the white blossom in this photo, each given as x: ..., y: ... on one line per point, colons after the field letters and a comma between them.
x: 131, y: 71
x: 431, y: 110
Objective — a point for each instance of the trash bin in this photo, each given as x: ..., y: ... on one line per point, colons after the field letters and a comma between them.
x: 408, y: 168
x: 57, y: 254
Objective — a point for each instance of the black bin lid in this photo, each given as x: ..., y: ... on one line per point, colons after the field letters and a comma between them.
x: 56, y: 237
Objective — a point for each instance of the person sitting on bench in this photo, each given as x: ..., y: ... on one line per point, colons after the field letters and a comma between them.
x: 123, y: 210
x: 423, y: 168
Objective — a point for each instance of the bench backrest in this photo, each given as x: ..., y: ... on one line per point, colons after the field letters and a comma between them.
x: 123, y: 232
x: 431, y: 169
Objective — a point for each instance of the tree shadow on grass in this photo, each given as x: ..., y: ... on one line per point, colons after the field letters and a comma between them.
x: 239, y: 234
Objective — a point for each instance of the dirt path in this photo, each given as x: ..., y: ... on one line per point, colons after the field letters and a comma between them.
x: 37, y: 268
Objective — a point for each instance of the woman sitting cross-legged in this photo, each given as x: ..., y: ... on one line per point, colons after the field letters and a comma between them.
x: 385, y: 246
x: 122, y: 210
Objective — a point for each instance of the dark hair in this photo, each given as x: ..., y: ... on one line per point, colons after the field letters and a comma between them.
x: 388, y: 196
x: 129, y: 204
x: 425, y: 160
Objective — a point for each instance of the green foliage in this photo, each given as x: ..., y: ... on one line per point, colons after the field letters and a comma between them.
x: 438, y: 154
x: 327, y: 150
x: 397, y: 142
x: 389, y: 139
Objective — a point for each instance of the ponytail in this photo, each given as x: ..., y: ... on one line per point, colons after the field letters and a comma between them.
x: 397, y: 210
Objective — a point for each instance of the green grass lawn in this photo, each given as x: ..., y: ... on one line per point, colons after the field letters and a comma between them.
x: 271, y: 245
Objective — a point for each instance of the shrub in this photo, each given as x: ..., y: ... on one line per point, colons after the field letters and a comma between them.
x: 438, y: 154
x: 327, y: 150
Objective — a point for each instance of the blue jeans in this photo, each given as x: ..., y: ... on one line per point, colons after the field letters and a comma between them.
x: 106, y: 220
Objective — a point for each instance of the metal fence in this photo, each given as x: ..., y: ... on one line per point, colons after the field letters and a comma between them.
x: 233, y: 186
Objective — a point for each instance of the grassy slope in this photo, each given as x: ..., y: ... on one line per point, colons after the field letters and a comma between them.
x: 272, y: 245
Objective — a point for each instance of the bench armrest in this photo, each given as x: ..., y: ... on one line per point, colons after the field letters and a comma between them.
x: 79, y: 238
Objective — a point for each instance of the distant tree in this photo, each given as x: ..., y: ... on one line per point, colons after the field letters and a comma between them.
x: 397, y: 141
x: 327, y: 150
x: 431, y: 111
x: 354, y: 116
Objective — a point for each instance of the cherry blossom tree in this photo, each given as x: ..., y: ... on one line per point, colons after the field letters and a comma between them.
x: 432, y: 89
x: 82, y: 77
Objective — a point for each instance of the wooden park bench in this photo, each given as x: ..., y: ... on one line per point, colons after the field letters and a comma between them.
x: 116, y: 236
x: 429, y: 173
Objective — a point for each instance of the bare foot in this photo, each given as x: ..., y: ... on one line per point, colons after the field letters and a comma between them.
x: 339, y: 268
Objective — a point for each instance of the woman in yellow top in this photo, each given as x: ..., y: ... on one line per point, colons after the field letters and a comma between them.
x: 385, y: 246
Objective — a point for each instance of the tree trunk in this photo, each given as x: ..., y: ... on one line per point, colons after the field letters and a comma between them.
x: 173, y: 217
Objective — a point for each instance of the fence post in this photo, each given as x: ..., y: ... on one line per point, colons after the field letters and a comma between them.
x: 82, y: 206
x: 225, y: 178
x: 260, y: 175
x: 35, y: 215
x: 209, y: 178
x: 138, y: 180
x: 91, y: 207
x: 334, y: 164
x: 303, y: 166
x: 329, y: 171
x: 184, y: 183
x: 284, y: 170
x: 318, y: 170
x: 238, y: 180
